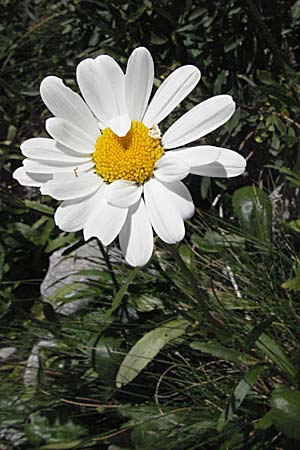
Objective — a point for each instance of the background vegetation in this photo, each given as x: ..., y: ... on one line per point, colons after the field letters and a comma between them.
x: 221, y: 320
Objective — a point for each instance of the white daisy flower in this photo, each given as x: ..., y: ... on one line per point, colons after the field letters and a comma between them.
x: 109, y: 163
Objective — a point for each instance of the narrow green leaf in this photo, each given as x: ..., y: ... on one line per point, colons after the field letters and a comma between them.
x: 62, y: 446
x: 242, y: 389
x: 276, y: 354
x: 147, y: 348
x: 2, y: 258
x: 121, y: 292
x: 44, y: 209
x: 220, y: 351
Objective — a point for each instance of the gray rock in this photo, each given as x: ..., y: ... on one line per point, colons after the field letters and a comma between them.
x: 63, y: 270
x: 13, y: 436
x: 6, y: 353
x: 33, y: 363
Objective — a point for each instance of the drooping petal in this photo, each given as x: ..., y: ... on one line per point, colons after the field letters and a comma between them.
x: 69, y: 135
x: 102, y: 84
x: 123, y: 193
x: 171, y: 92
x: 52, y: 167
x: 30, y: 179
x: 66, y: 104
x: 71, y: 215
x: 138, y: 82
x: 229, y: 164
x: 182, y: 198
x: 171, y: 167
x: 136, y: 236
x: 198, y: 156
x: 67, y: 186
x: 120, y: 125
x: 105, y: 222
x: 44, y: 149
x: 165, y: 217
x: 199, y: 121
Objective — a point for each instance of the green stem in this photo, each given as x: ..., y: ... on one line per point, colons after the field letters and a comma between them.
x: 109, y: 266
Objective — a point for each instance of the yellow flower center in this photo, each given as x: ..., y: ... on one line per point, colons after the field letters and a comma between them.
x: 131, y: 157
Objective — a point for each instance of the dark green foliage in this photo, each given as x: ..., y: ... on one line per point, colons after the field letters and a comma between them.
x: 230, y: 378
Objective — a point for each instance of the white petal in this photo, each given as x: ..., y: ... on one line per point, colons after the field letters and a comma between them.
x: 120, y: 125
x: 102, y: 84
x: 171, y: 167
x: 138, y: 82
x: 199, y: 121
x: 104, y: 222
x: 198, y: 156
x: 71, y: 215
x: 69, y: 135
x: 67, y: 187
x: 170, y: 93
x: 66, y: 104
x: 136, y: 236
x: 44, y: 149
x: 30, y: 179
x: 164, y: 215
x: 123, y: 193
x: 182, y: 198
x: 229, y: 164
x: 52, y: 167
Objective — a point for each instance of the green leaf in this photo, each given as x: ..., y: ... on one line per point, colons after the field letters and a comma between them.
x: 265, y: 77
x: 36, y: 206
x: 64, y: 293
x: 231, y: 44
x: 213, y: 242
x: 5, y: 304
x: 220, y: 351
x: 293, y: 225
x: 146, y: 303
x: 276, y: 354
x: 63, y: 445
x: 293, y: 284
x: 188, y: 256
x: 240, y: 392
x: 285, y: 411
x: 265, y: 422
x: 205, y: 186
x: 253, y: 208
x: 147, y: 348
x: 60, y: 241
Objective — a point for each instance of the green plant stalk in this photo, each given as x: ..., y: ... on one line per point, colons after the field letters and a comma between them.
x: 109, y: 266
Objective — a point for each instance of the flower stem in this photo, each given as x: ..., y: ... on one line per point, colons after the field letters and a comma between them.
x: 109, y: 266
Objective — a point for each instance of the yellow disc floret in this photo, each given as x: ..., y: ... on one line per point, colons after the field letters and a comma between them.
x: 131, y: 157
